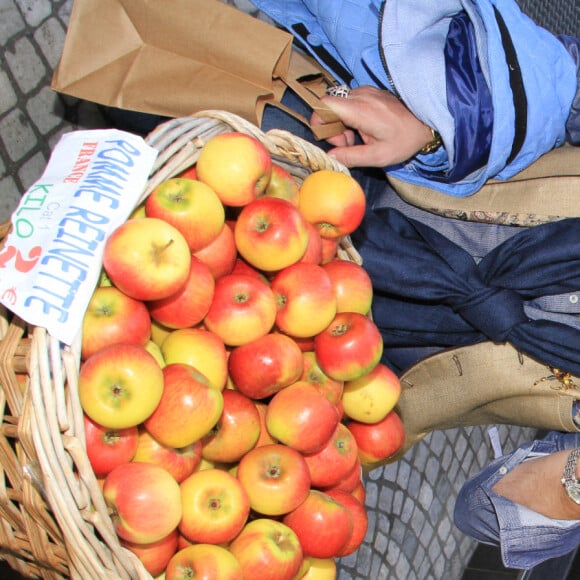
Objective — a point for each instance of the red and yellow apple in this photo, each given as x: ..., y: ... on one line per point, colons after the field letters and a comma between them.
x: 189, y: 305
x: 301, y: 417
x: 312, y: 373
x: 180, y: 462
x: 107, y: 448
x: 215, y: 507
x: 201, y: 349
x: 349, y: 347
x: 267, y: 549
x: 156, y: 555
x: 111, y: 317
x: 359, y: 517
x: 188, y: 409
x: 333, y: 201
x: 263, y: 366
x: 144, y: 500
x: 282, y: 185
x: 203, y: 561
x: 221, y: 254
x: 352, y: 286
x: 236, y: 431
x: 323, y: 525
x: 120, y: 385
x: 236, y: 166
x: 243, y: 309
x: 320, y: 569
x: 350, y: 481
x: 265, y: 438
x: 271, y: 234
x: 335, y: 460
x: 190, y: 206
x: 305, y: 299
x: 313, y: 253
x: 371, y: 396
x: 147, y: 258
x: 378, y: 441
x: 275, y: 477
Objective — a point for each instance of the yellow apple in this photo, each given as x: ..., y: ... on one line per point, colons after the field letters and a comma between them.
x: 320, y: 569
x: 372, y: 396
x: 191, y: 206
x: 200, y: 348
x: 236, y: 166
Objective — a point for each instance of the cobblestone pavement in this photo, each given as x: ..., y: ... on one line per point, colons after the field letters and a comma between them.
x: 411, y: 532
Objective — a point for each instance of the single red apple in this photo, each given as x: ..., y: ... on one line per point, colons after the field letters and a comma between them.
x: 271, y: 234
x: 323, y: 525
x: 275, y: 477
x: 236, y: 431
x: 360, y: 520
x: 301, y: 417
x: 107, y: 448
x: 265, y: 365
x: 334, y: 461
x: 243, y: 309
x: 378, y: 441
x: 349, y: 347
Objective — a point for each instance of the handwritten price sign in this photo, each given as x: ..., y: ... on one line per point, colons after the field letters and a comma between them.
x: 51, y: 260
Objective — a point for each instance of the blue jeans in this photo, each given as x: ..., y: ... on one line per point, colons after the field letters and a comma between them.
x: 525, y: 537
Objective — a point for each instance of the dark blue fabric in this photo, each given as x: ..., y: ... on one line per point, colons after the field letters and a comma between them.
x: 468, y: 100
x: 429, y: 292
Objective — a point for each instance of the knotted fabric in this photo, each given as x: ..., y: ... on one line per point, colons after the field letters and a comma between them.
x: 430, y: 292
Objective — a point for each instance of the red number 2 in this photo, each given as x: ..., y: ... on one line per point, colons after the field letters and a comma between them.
x: 21, y: 263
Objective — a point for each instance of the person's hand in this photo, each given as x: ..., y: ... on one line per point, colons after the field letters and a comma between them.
x: 390, y: 132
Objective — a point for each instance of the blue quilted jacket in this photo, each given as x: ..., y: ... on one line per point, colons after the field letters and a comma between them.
x: 496, y: 86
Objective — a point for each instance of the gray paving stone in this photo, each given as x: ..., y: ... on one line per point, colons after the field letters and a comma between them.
x: 10, y: 197
x: 34, y: 11
x: 11, y: 22
x: 18, y: 137
x: 386, y: 499
x: 425, y: 495
x: 50, y: 39
x: 26, y: 67
x: 42, y: 110
x: 31, y: 170
x: 403, y: 568
x: 372, y: 492
x: 432, y: 470
x: 8, y: 97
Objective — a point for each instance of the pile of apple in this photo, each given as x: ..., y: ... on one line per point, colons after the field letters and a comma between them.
x: 230, y: 373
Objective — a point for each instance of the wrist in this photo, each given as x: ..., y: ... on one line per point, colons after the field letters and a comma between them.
x: 433, y: 144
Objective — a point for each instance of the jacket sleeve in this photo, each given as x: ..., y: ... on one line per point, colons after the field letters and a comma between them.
x: 572, y: 45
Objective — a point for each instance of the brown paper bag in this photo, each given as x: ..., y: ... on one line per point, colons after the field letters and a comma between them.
x: 177, y: 57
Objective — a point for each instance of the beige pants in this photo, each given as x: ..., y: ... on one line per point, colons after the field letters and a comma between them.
x: 483, y: 384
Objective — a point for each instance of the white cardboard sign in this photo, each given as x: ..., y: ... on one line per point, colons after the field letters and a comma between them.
x: 50, y: 262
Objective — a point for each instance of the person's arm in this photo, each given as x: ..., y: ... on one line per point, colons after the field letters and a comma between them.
x: 390, y: 133
x: 536, y: 484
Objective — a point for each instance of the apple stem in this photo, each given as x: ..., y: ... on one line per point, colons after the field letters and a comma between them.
x: 111, y: 437
x: 262, y: 225
x: 340, y: 329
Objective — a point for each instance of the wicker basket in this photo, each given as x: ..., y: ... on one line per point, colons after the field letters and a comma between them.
x: 53, y: 521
